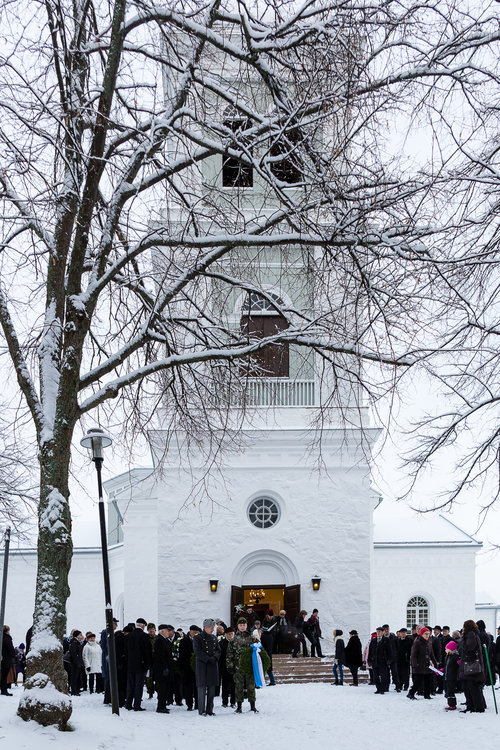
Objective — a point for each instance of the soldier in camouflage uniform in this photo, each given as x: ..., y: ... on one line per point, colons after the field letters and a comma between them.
x: 242, y: 640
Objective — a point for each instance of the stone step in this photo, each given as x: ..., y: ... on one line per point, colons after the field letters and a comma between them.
x: 309, y: 669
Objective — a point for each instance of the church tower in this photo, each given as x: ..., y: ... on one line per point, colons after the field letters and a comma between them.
x: 260, y: 490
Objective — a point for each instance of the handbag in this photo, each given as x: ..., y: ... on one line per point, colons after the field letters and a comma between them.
x: 472, y: 668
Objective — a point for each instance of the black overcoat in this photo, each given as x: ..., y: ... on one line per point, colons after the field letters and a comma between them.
x: 207, y: 651
x: 422, y: 655
x: 379, y: 652
x: 353, y: 652
x: 8, y: 652
x: 75, y: 653
x: 138, y: 650
x: 163, y: 661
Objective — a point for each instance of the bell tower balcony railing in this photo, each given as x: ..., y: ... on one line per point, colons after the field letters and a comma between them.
x: 275, y: 392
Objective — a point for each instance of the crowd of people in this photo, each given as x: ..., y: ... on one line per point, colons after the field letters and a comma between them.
x: 190, y: 668
x: 441, y: 662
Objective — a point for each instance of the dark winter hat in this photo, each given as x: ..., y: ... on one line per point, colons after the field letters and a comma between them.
x: 229, y: 630
x: 130, y: 625
x: 437, y: 627
x: 128, y: 629
x: 353, y: 632
x: 385, y: 627
x: 403, y: 630
x: 195, y: 628
x: 209, y: 623
x: 163, y: 627
x: 242, y: 620
x: 451, y: 646
x: 151, y: 625
x: 339, y: 632
x: 380, y: 629
x: 115, y: 620
x: 141, y: 621
x: 22, y: 646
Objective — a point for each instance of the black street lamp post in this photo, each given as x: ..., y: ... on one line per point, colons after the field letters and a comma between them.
x: 95, y: 440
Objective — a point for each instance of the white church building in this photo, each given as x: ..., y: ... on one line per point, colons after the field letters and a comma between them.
x: 288, y: 518
x: 283, y: 536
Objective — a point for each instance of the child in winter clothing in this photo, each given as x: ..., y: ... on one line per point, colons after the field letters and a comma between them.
x: 451, y: 675
x: 339, y: 660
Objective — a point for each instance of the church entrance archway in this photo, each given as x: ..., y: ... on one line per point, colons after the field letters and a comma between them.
x: 269, y: 580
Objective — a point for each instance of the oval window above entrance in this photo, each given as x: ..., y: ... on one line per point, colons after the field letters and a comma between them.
x: 263, y: 512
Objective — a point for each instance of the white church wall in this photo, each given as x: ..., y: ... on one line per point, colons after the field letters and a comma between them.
x: 324, y: 530
x: 443, y: 575
x: 86, y: 606
x: 140, y: 558
x: 491, y: 616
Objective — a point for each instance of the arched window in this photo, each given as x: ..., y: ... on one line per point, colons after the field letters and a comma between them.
x: 260, y: 319
x: 417, y: 611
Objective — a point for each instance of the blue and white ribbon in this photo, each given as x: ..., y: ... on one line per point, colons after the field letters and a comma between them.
x: 258, y: 672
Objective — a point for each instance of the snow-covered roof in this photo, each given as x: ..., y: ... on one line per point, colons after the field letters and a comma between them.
x: 396, y: 525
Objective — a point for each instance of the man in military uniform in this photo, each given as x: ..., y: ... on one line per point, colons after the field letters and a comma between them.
x: 207, y: 651
x: 242, y: 640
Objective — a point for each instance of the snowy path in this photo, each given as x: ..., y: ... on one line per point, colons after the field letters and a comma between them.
x: 291, y: 715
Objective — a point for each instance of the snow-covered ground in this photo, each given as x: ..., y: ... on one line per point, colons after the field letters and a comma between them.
x: 289, y: 716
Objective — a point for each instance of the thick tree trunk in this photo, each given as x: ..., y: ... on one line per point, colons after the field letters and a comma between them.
x: 45, y: 698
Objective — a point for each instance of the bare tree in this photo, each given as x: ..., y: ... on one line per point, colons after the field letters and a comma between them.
x: 157, y: 162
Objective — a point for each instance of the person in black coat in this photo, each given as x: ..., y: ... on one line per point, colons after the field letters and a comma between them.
x: 379, y: 658
x: 103, y: 642
x: 121, y: 664
x: 163, y: 666
x: 139, y: 660
x: 403, y: 652
x: 393, y: 666
x: 471, y: 653
x: 312, y: 630
x: 227, y: 680
x: 283, y: 633
x: 496, y: 659
x: 187, y: 675
x: 421, y: 657
x: 76, y: 661
x: 450, y: 676
x: 353, y: 655
x: 207, y: 651
x: 8, y: 659
x: 487, y: 640
x: 298, y: 631
x: 339, y: 660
